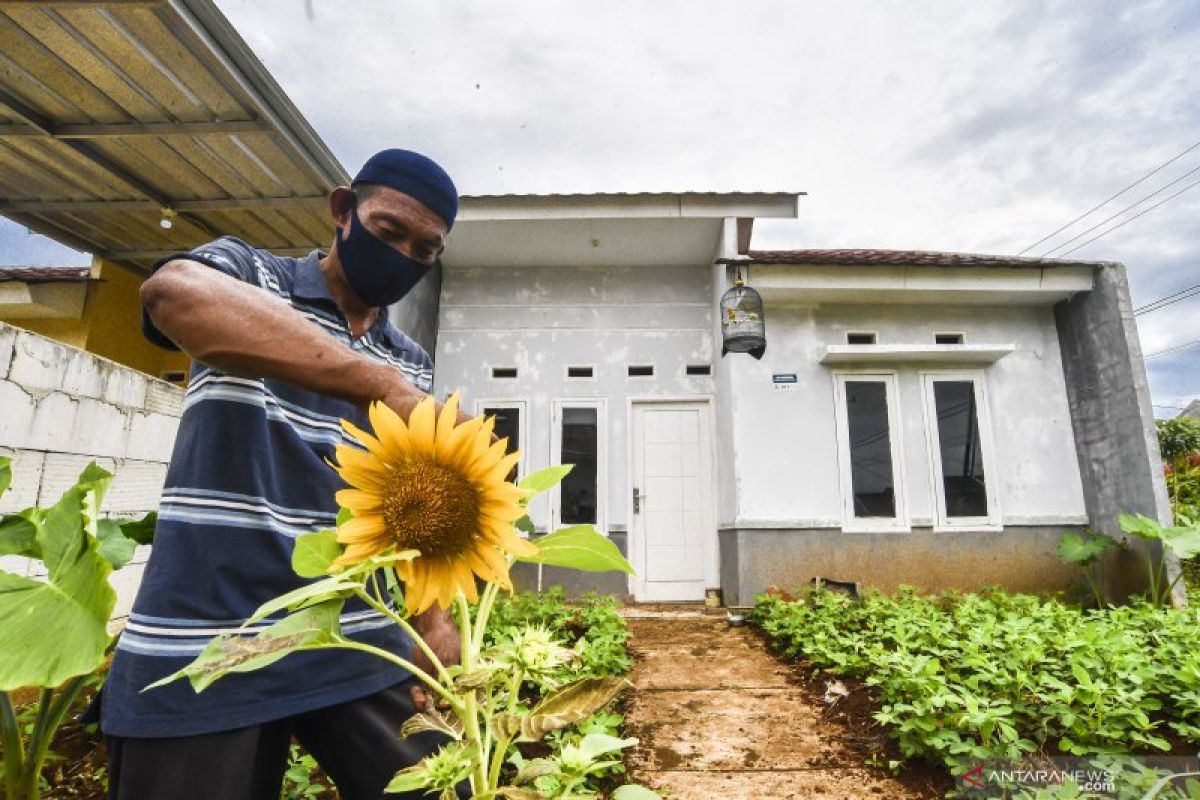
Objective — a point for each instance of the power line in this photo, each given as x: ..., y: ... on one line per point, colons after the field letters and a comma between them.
x: 1090, y: 211
x: 1163, y: 302
x: 1122, y: 224
x: 1129, y: 207
x: 1174, y: 349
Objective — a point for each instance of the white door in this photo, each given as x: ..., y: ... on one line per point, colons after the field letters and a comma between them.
x: 672, y: 525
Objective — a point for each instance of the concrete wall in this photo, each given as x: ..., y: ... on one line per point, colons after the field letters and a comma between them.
x: 1019, y: 558
x: 542, y: 320
x: 62, y: 408
x: 1112, y: 418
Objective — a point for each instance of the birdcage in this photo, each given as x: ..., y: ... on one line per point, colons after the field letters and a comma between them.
x: 743, y: 329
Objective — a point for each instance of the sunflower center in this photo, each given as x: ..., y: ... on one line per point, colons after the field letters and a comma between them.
x: 430, y: 508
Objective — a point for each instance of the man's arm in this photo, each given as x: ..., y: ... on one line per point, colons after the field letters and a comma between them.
x: 242, y: 330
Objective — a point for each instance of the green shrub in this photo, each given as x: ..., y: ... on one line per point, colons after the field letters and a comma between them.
x: 962, y: 677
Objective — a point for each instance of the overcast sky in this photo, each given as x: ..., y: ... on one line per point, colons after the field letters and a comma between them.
x: 969, y: 126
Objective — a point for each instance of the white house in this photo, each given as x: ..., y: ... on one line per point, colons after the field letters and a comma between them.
x: 923, y: 418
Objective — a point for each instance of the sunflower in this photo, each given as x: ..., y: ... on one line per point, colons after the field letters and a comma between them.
x: 437, y: 487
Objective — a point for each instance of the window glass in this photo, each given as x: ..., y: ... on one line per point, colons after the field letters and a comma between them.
x: 962, y: 454
x: 870, y: 449
x: 579, y: 443
x: 508, y: 423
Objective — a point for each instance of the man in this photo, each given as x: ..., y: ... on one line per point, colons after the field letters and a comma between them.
x: 282, y: 349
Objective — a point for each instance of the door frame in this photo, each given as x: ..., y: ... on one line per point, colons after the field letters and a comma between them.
x: 636, y: 548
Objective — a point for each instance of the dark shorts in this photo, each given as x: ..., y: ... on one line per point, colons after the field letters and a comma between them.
x: 356, y: 743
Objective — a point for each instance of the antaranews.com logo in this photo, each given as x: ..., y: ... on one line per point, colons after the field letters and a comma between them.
x: 1118, y: 777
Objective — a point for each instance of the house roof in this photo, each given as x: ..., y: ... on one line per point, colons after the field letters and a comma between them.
x: 892, y: 258
x: 45, y: 274
x: 111, y: 112
x: 1193, y: 410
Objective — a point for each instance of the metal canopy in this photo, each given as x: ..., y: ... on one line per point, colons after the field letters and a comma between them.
x: 113, y: 110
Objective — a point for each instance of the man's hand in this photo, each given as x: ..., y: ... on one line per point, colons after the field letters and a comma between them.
x: 438, y: 630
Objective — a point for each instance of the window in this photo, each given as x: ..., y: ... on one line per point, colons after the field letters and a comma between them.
x: 580, y: 372
x: 504, y: 372
x: 861, y: 338
x: 699, y: 369
x: 958, y: 432
x: 947, y: 338
x: 510, y: 416
x: 868, y: 444
x: 641, y: 371
x: 578, y: 440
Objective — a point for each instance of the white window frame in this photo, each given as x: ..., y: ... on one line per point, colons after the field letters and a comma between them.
x: 556, y: 415
x: 522, y: 408
x: 992, y: 522
x: 901, y: 522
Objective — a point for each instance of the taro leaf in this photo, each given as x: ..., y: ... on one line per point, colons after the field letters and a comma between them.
x: 116, y: 549
x: 18, y: 534
x: 335, y: 587
x: 314, y: 553
x: 561, y: 708
x: 1185, y: 542
x: 313, y: 628
x: 533, y: 769
x: 140, y: 530
x: 631, y: 791
x: 433, y: 720
x: 525, y: 524
x: 1075, y: 548
x: 579, y: 547
x: 1141, y: 527
x: 544, y: 479
x: 55, y: 629
x: 5, y: 473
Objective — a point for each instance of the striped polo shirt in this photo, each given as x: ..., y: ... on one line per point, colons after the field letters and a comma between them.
x: 247, y: 476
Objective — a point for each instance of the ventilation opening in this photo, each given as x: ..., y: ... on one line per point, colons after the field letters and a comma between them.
x: 860, y: 338
x: 699, y: 369
x: 504, y: 372
x: 175, y: 376
x: 579, y: 372
x: 641, y: 371
x: 948, y: 338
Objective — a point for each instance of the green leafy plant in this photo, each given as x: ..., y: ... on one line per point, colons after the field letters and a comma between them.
x: 1183, y: 541
x: 55, y: 631
x: 300, y: 781
x: 567, y: 772
x: 483, y: 707
x: 1084, y: 550
x: 963, y: 677
x: 1177, y: 438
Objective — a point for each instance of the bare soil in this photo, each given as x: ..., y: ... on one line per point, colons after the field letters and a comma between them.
x: 719, y: 716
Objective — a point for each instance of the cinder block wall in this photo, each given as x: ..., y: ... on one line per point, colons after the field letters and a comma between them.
x: 61, y: 407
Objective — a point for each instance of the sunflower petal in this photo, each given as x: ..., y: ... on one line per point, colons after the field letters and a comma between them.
x: 421, y: 427
x: 361, y: 528
x: 390, y: 429
x: 447, y: 420
x: 358, y: 500
x: 373, y: 445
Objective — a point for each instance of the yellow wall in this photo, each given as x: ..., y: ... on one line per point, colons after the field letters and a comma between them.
x: 111, y: 323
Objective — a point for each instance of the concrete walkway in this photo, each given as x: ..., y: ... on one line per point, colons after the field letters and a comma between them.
x: 720, y: 717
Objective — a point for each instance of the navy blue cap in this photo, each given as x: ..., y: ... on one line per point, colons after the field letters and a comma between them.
x: 417, y: 176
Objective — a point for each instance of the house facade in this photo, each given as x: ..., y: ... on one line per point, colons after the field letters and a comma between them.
x: 913, y: 420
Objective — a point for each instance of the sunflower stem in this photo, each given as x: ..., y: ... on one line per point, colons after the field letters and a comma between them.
x: 485, y: 611
x: 406, y: 626
x: 417, y: 672
x: 479, y: 780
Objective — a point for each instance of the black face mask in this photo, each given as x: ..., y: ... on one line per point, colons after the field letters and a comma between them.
x: 377, y: 273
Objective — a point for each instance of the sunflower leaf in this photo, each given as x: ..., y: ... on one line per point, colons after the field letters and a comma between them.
x: 344, y: 515
x: 561, y: 708
x: 314, y: 553
x: 525, y: 524
x: 543, y: 479
x: 312, y: 628
x: 5, y: 473
x: 140, y: 530
x: 116, y: 548
x: 433, y: 720
x: 579, y: 547
x: 335, y: 587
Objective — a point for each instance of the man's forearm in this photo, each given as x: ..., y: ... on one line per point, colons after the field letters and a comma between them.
x: 242, y: 330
